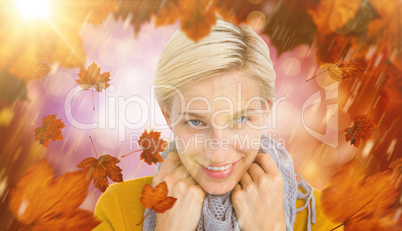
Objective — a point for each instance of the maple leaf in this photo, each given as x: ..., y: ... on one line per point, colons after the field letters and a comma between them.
x: 340, y: 71
x: 396, y: 165
x: 92, y: 77
x: 152, y: 145
x: 360, y: 202
x: 100, y: 169
x: 39, y: 201
x: 362, y: 129
x: 238, y: 11
x: 285, y: 31
x: 196, y: 17
x: 50, y: 129
x: 156, y: 199
x: 100, y: 10
x: 150, y: 158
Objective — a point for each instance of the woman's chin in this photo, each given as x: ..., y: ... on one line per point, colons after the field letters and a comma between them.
x: 217, y: 189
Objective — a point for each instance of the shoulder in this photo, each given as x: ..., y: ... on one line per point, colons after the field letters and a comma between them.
x: 119, y: 206
x: 322, y: 221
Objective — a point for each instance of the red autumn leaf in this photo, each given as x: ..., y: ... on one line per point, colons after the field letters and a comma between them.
x: 362, y: 129
x: 39, y: 201
x: 50, y: 129
x: 396, y: 165
x: 340, y: 71
x: 93, y: 78
x: 100, y: 169
x: 156, y: 199
x: 150, y: 158
x: 152, y: 145
x: 360, y: 202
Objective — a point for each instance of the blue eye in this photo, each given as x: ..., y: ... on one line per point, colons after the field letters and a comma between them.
x: 242, y: 119
x: 197, y: 122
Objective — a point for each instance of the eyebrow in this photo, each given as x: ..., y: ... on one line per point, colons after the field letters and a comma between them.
x: 202, y: 116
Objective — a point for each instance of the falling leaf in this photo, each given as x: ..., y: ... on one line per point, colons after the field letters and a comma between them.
x: 197, y: 18
x: 238, y: 11
x: 396, y: 165
x: 50, y: 129
x: 100, y: 169
x: 168, y: 14
x: 150, y: 158
x: 156, y: 199
x: 152, y: 145
x: 360, y: 202
x: 340, y: 71
x: 285, y: 31
x: 99, y: 10
x: 137, y: 12
x: 39, y: 201
x: 93, y: 78
x: 362, y: 129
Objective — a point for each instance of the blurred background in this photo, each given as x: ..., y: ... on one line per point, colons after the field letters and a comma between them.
x: 43, y: 45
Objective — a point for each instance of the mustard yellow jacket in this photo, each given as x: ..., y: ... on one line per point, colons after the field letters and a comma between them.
x: 120, y: 208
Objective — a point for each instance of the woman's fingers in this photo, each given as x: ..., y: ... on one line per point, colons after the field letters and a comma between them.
x: 246, y: 180
x: 267, y: 163
x: 256, y: 171
x: 181, y: 172
x: 171, y: 162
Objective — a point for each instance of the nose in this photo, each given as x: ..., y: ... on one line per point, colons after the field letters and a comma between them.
x: 218, y: 146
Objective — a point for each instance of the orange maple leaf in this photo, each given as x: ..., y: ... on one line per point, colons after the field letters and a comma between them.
x: 50, y: 129
x: 340, y: 71
x: 100, y: 169
x: 362, y: 129
x: 396, y: 165
x: 39, y: 201
x: 360, y: 202
x: 156, y: 199
x: 150, y: 158
x: 93, y: 78
x: 152, y: 145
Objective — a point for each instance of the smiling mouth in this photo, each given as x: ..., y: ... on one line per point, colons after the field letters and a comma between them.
x: 221, y: 171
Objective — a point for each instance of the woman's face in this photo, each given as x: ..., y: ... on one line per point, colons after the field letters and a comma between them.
x: 217, y: 123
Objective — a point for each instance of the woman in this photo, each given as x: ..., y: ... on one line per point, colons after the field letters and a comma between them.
x: 216, y: 96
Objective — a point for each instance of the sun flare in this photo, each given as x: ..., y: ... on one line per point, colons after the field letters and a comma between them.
x: 33, y: 8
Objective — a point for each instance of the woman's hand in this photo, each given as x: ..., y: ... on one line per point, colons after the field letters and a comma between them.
x: 186, y: 212
x: 258, y: 199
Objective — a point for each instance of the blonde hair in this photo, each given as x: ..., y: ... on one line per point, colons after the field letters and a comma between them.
x: 228, y: 47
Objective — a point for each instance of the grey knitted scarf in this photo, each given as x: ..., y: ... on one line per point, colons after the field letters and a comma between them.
x: 217, y: 211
